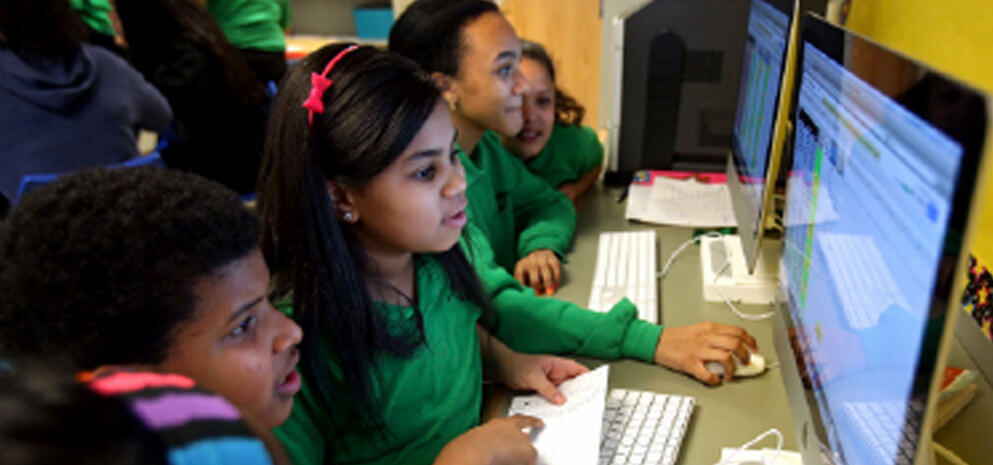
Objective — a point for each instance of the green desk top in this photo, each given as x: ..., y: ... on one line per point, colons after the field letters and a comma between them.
x: 727, y: 415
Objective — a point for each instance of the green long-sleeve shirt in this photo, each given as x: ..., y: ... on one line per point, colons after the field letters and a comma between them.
x: 253, y: 24
x: 434, y: 396
x: 518, y: 212
x: 427, y: 399
x: 571, y: 152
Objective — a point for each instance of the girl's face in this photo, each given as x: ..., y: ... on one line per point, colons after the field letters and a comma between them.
x: 539, y: 111
x: 238, y: 345
x: 417, y: 204
x: 489, y: 83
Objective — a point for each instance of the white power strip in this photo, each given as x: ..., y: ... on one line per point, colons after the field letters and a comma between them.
x: 724, y: 273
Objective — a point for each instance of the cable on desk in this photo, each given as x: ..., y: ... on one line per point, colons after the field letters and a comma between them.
x: 742, y: 315
x: 745, y: 446
x: 681, y: 248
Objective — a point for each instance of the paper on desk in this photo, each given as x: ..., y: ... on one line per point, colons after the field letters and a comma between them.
x: 680, y: 202
x: 786, y: 457
x: 571, y: 435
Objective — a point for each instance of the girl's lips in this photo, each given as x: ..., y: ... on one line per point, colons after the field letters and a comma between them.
x: 457, y: 220
x: 290, y: 384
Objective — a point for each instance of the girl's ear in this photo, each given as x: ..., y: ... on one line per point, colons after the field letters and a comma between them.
x: 342, y: 201
x: 448, y: 87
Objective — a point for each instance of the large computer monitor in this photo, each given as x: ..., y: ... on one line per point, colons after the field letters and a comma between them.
x: 760, y: 118
x: 884, y: 169
x: 731, y: 264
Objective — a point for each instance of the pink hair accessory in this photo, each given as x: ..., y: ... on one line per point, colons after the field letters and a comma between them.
x: 319, y: 83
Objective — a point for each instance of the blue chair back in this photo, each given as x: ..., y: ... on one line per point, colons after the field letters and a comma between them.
x: 30, y: 182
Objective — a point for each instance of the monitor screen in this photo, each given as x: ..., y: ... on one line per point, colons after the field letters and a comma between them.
x: 876, y: 199
x: 758, y: 97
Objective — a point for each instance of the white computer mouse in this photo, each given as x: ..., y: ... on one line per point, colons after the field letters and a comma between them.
x: 756, y: 366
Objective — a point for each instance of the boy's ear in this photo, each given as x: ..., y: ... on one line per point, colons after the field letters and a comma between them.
x: 447, y: 86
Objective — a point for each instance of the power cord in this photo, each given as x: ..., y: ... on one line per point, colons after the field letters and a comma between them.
x: 696, y: 240
x: 742, y: 315
x: 745, y: 446
x: 681, y: 248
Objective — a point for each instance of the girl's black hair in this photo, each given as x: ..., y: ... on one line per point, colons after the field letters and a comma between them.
x: 154, y: 27
x: 567, y: 109
x: 430, y: 32
x: 40, y: 28
x: 376, y: 105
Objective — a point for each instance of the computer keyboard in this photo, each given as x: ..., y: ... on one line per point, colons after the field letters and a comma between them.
x: 862, y: 280
x: 642, y: 427
x: 625, y: 267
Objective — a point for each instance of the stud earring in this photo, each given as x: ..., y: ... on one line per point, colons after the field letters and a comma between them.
x: 348, y: 216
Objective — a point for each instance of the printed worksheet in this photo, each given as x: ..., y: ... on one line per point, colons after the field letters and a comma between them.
x: 571, y: 435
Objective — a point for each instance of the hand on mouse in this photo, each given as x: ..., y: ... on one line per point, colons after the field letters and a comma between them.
x: 689, y: 348
x: 500, y: 441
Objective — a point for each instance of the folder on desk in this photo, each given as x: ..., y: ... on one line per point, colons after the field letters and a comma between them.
x: 680, y: 198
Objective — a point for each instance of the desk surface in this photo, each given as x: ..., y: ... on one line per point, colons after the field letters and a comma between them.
x: 730, y: 414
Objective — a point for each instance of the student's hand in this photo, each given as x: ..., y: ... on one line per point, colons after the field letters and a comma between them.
x: 539, y: 270
x: 497, y: 442
x: 689, y: 348
x: 541, y: 373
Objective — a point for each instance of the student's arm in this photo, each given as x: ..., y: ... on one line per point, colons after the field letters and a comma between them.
x: 531, y: 324
x: 590, y: 152
x: 577, y: 188
x: 524, y: 372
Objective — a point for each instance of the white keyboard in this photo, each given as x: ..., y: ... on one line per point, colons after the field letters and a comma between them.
x: 642, y: 427
x: 862, y: 279
x: 625, y: 267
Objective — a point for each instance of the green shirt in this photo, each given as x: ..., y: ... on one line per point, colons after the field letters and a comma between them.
x: 532, y: 324
x: 94, y: 14
x: 253, y: 24
x: 435, y: 395
x: 518, y: 212
x: 571, y: 152
x: 427, y: 399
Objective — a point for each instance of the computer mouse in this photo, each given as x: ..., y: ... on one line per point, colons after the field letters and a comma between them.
x: 756, y: 366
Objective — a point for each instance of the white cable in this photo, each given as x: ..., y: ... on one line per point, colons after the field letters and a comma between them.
x: 681, y: 248
x: 742, y: 315
x: 745, y: 446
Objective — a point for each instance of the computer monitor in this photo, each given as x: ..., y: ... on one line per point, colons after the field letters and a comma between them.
x: 760, y: 118
x: 880, y: 187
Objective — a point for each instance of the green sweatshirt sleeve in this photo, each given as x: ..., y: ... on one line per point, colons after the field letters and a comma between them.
x: 545, y: 217
x: 532, y: 324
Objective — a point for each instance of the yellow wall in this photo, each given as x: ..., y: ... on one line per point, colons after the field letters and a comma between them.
x: 955, y: 36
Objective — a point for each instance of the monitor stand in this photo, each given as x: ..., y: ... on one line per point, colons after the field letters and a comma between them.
x: 724, y: 259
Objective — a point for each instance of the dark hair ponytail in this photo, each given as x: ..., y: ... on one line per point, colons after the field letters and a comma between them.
x: 567, y: 109
x: 376, y: 105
